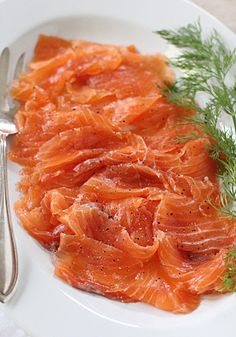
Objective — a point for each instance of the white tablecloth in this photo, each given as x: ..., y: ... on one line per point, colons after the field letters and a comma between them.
x: 8, y: 328
x: 225, y: 10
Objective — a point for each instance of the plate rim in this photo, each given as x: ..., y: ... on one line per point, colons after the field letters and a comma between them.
x: 230, y: 36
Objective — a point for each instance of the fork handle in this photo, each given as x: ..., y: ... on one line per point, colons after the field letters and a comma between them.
x: 8, y: 252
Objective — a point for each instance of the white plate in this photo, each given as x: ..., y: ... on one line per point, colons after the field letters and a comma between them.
x: 43, y: 305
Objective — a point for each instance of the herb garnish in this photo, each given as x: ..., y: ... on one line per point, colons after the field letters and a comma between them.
x: 207, y: 65
x: 229, y: 279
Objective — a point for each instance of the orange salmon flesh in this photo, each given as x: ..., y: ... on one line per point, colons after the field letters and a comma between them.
x: 125, y: 209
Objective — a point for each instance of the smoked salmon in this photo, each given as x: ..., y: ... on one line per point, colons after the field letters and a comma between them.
x: 125, y: 208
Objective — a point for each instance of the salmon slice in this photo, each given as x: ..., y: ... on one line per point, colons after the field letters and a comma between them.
x: 46, y: 75
x: 56, y: 201
x: 75, y: 118
x: 126, y: 81
x: 134, y: 150
x: 124, y: 181
x: 48, y: 47
x: 35, y: 224
x: 195, y: 164
x: 97, y: 59
x: 72, y: 145
x: 195, y: 230
x: 137, y: 215
x: 189, y: 158
x: 200, y: 276
x: 90, y: 220
x: 76, y: 60
x: 42, y: 220
x: 83, y: 94
x: 92, y: 265
x: 124, y: 112
x: 158, y: 116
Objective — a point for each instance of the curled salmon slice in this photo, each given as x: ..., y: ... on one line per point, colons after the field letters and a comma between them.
x: 107, y: 270
x: 90, y: 220
x: 200, y: 276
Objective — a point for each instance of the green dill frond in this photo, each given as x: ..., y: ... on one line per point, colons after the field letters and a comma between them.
x: 189, y: 136
x: 229, y: 279
x: 186, y: 36
x: 206, y: 64
x: 226, y: 206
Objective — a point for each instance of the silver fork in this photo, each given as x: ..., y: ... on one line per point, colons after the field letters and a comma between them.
x: 8, y: 250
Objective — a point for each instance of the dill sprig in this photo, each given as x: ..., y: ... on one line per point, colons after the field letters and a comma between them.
x: 189, y: 136
x: 206, y: 64
x: 208, y: 68
x: 229, y: 279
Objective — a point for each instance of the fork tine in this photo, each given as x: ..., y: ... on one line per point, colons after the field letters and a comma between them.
x: 18, y: 69
x: 19, y: 66
x: 4, y: 68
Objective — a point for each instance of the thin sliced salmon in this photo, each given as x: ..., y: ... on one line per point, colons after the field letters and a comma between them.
x: 123, y: 194
x: 90, y: 220
x: 109, y: 271
x: 199, y: 275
